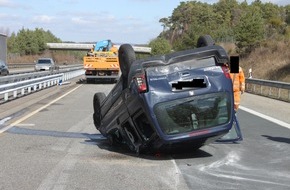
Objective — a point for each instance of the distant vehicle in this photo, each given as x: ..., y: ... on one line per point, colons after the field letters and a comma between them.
x: 182, y: 100
x: 102, y: 63
x: 45, y: 64
x: 3, y: 68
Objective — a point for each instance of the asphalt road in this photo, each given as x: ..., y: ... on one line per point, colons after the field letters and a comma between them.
x: 48, y: 141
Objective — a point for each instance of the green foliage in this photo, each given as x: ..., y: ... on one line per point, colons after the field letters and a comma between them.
x: 159, y: 46
x: 226, y: 21
x: 249, y: 32
x: 287, y: 33
x: 287, y: 14
x: 29, y: 42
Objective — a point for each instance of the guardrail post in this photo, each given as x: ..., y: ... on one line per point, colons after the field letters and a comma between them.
x: 6, y: 96
x: 15, y: 94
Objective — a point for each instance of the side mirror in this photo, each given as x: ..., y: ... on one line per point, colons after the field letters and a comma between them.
x: 234, y: 64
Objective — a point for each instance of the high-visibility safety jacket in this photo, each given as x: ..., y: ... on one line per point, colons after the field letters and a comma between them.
x: 238, y: 81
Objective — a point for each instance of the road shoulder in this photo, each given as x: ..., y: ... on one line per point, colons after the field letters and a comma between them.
x: 274, y: 108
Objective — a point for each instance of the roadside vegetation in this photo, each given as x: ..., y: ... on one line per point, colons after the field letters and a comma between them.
x: 28, y: 45
x: 258, y: 32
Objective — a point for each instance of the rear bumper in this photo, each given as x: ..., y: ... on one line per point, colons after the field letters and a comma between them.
x: 101, y: 77
x: 102, y: 74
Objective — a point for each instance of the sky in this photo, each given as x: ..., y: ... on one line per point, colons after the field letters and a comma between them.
x: 122, y: 21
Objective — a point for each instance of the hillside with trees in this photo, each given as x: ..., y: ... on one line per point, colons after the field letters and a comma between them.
x: 258, y: 32
x: 27, y: 45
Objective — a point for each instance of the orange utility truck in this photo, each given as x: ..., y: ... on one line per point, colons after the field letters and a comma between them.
x: 102, y: 62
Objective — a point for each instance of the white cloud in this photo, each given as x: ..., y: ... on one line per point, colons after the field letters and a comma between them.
x: 80, y: 20
x: 42, y: 19
x: 6, y: 3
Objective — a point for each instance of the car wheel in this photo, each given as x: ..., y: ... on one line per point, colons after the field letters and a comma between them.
x: 205, y: 40
x: 126, y: 58
x: 98, y: 98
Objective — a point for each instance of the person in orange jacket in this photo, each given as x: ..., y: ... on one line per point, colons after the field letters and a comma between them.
x: 238, y: 80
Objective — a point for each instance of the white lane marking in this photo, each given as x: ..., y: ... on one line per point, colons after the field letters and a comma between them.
x: 58, y: 177
x: 2, y: 121
x: 283, y: 124
x: 177, y: 174
x: 36, y: 111
x: 25, y: 125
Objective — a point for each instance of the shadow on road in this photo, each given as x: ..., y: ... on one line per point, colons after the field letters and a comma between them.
x: 151, y: 155
x: 37, y: 132
x: 103, y: 143
x: 278, y: 139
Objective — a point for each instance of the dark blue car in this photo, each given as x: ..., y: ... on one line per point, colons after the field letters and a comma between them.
x: 182, y: 100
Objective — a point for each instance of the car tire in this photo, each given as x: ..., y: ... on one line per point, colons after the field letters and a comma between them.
x: 98, y: 99
x: 126, y: 56
x: 205, y: 40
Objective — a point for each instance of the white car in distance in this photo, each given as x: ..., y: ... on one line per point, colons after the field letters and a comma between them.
x: 45, y: 64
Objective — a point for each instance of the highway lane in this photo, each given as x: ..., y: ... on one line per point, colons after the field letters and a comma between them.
x: 52, y: 144
x: 261, y: 161
x: 59, y: 148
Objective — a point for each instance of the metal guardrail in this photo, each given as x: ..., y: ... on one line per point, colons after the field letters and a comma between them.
x: 271, y: 89
x: 17, y: 89
x: 30, y: 75
x: 20, y: 65
x: 25, y: 65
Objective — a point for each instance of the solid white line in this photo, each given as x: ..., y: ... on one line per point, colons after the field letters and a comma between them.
x: 25, y: 125
x: 283, y: 124
x: 36, y: 111
x: 2, y: 121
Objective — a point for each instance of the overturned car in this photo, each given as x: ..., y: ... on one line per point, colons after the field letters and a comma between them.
x: 182, y: 100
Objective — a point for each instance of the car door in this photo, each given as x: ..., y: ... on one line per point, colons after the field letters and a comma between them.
x: 234, y: 134
x: 114, y: 109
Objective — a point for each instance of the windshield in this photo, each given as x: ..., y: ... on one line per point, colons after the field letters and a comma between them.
x: 194, y: 113
x: 180, y: 66
x: 44, y: 61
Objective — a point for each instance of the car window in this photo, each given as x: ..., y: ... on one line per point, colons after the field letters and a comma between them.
x: 44, y: 61
x: 194, y: 113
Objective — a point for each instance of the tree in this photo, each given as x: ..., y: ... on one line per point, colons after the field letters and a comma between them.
x: 249, y: 32
x: 30, y: 42
x: 159, y: 46
x: 12, y: 44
